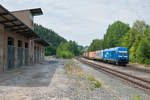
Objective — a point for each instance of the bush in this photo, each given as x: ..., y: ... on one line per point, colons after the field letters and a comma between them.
x: 68, y: 50
x: 67, y: 54
x: 143, y: 52
x: 147, y: 61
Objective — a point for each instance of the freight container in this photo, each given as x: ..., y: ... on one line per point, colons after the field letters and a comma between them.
x: 99, y: 55
x: 91, y: 55
x: 86, y: 54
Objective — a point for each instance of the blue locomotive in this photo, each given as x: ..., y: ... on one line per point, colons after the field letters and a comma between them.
x: 118, y: 55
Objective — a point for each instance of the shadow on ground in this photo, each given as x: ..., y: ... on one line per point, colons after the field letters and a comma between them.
x: 39, y: 75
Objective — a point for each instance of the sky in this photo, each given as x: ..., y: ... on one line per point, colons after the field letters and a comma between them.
x: 83, y: 20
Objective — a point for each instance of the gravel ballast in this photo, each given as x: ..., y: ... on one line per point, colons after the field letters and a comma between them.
x: 123, y: 90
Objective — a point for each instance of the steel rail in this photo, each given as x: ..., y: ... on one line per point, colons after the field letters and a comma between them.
x: 121, y: 75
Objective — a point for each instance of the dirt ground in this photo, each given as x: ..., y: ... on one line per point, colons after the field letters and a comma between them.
x: 38, y: 82
x: 46, y: 81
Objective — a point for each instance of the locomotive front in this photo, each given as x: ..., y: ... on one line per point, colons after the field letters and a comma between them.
x: 123, y: 56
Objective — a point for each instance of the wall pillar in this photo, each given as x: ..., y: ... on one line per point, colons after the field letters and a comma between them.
x: 43, y: 53
x: 23, y: 48
x: 31, y: 52
x: 2, y: 43
x: 40, y: 53
x: 5, y: 50
x: 16, y: 52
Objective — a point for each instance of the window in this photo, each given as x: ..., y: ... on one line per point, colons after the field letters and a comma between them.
x: 19, y: 43
x: 31, y: 17
x: 26, y: 45
x: 10, y: 41
x: 122, y: 51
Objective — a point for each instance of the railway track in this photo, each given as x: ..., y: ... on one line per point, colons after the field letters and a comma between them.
x: 139, y: 82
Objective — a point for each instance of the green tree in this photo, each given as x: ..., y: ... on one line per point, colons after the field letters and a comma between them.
x: 143, y: 52
x: 115, y: 33
x: 133, y: 38
x: 68, y: 49
x: 96, y: 45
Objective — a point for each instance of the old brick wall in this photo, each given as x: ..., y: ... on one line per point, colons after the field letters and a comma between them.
x: 16, y: 37
x: 25, y: 16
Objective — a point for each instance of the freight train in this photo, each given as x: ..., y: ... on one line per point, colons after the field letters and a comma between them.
x: 117, y: 55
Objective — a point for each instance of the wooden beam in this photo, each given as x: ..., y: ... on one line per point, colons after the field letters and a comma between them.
x: 6, y: 26
x: 23, y: 31
x: 20, y: 29
x: 3, y: 14
x: 27, y: 34
x: 7, y: 21
x: 11, y: 26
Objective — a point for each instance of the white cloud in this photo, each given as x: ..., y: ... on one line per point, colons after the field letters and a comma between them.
x: 84, y: 20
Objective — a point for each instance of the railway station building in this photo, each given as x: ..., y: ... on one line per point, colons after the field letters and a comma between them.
x: 19, y: 44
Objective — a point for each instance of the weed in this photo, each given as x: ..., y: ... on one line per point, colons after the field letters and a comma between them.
x: 117, y: 98
x: 97, y: 84
x: 74, y: 69
x: 90, y: 79
x: 137, y: 97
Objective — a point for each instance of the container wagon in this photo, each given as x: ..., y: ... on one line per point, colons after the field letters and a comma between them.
x: 91, y: 55
x: 99, y: 55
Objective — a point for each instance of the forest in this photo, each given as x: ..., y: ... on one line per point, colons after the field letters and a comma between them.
x: 135, y: 38
x: 51, y: 37
x: 57, y: 44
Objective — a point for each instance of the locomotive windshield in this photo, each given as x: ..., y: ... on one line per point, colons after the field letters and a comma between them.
x: 123, y: 53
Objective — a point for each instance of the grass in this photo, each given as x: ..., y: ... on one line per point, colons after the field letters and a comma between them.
x: 74, y: 69
x: 137, y: 97
x: 91, y: 79
x: 94, y: 83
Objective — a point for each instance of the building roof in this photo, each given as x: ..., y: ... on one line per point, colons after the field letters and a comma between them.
x: 34, y: 11
x: 42, y: 42
x: 12, y: 23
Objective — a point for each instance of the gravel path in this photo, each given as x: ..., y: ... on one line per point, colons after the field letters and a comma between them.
x: 123, y: 90
x: 47, y: 81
